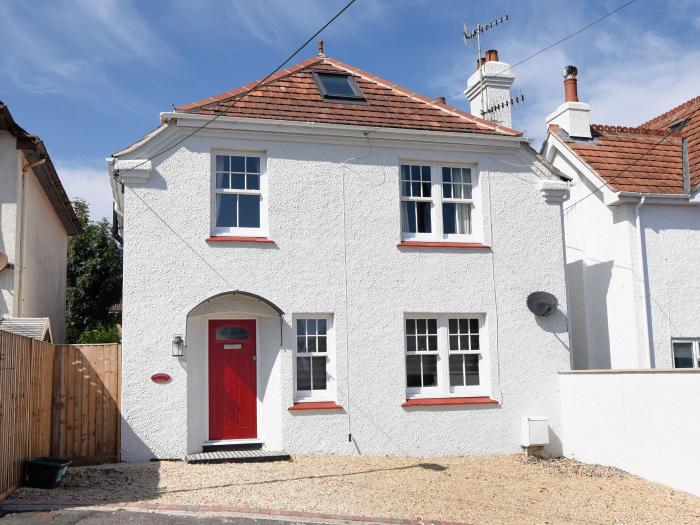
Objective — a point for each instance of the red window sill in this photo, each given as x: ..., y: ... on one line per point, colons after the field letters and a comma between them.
x: 437, y: 401
x: 315, y: 405
x: 228, y: 238
x: 443, y: 244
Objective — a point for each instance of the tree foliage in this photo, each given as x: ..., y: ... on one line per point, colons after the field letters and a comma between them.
x: 94, y: 276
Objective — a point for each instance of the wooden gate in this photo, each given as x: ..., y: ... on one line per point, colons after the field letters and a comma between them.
x: 58, y: 400
x: 86, y: 403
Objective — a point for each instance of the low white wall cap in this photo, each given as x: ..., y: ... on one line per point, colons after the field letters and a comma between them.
x: 632, y: 371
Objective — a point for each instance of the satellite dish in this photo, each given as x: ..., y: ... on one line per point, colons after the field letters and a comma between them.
x: 542, y: 304
x: 3, y: 261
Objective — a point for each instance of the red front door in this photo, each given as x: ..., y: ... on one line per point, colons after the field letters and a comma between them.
x: 232, y: 380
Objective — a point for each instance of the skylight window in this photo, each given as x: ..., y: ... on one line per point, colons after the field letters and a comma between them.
x: 339, y: 87
x: 678, y: 125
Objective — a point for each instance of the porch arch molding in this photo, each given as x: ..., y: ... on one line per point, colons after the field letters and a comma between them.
x: 249, y: 295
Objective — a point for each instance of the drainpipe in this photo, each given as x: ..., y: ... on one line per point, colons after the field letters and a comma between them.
x: 644, y: 274
x: 20, y: 238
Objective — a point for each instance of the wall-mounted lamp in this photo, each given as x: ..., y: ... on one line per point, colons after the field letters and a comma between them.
x: 178, y: 346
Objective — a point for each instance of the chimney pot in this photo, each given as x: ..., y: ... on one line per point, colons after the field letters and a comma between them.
x: 572, y: 115
x: 441, y: 101
x: 320, y: 47
x: 480, y: 62
x: 492, y: 55
x: 570, y: 84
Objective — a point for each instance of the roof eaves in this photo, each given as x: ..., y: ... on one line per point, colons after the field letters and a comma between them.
x: 34, y: 150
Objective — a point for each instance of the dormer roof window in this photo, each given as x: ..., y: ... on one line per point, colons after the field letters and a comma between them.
x: 334, y: 86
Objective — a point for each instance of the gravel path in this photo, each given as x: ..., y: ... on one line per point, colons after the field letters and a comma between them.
x: 503, y: 489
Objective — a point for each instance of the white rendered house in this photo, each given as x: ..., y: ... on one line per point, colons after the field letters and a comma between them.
x: 344, y: 265
x: 36, y: 219
x: 632, y: 234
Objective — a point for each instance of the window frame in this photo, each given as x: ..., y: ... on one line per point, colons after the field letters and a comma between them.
x: 330, y: 393
x: 262, y: 230
x: 437, y: 200
x: 695, y: 349
x: 357, y: 97
x: 443, y: 388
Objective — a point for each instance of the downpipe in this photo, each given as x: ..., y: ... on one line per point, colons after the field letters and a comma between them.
x: 644, y: 274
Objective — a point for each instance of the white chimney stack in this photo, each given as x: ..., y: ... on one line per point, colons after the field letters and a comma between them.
x: 572, y: 116
x: 488, y: 90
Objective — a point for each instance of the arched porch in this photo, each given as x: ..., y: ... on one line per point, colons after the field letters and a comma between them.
x: 233, y: 373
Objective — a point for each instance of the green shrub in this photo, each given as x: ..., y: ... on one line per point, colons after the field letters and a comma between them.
x: 100, y: 334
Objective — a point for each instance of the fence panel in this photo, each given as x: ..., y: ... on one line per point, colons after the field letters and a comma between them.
x: 58, y: 400
x: 25, y: 405
x: 86, y: 416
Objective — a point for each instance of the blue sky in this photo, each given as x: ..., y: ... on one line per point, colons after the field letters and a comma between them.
x: 91, y: 76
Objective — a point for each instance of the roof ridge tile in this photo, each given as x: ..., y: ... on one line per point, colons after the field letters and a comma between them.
x: 670, y: 112
x: 421, y: 98
x: 633, y: 130
x: 387, y: 103
x: 226, y: 95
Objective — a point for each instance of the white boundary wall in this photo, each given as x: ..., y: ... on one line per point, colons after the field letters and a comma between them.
x: 643, y: 421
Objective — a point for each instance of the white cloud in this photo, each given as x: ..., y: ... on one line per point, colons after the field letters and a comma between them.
x: 280, y: 24
x: 65, y: 46
x: 89, y: 183
x: 627, y: 74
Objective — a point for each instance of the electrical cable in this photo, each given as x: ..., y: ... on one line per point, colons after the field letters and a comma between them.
x: 257, y: 85
x: 495, y: 294
x: 554, y: 44
x: 345, y: 268
x: 632, y: 164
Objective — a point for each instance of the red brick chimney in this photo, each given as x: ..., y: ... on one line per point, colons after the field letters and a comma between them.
x: 570, y: 84
x: 572, y: 115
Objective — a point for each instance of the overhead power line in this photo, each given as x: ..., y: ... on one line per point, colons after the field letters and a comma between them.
x: 257, y: 85
x: 561, y: 40
x: 630, y: 165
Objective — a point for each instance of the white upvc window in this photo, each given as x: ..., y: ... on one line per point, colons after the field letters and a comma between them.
x: 446, y: 356
x: 239, y: 196
x: 314, y: 358
x: 438, y: 202
x: 686, y: 353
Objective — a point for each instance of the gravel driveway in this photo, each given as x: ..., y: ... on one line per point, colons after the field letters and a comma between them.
x: 504, y: 489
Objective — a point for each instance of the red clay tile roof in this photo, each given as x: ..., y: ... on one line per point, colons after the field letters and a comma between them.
x: 689, y: 110
x: 292, y: 94
x: 615, y: 149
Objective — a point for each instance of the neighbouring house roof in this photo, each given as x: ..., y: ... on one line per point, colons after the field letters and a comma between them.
x: 33, y: 327
x: 34, y: 151
x: 689, y: 110
x: 292, y: 94
x: 614, y: 149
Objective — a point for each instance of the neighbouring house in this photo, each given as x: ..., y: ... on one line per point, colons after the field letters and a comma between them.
x: 337, y: 264
x: 36, y: 219
x: 632, y: 234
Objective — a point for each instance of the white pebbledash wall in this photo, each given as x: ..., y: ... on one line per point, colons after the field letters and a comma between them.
x: 642, y: 421
x: 9, y: 179
x: 169, y: 270
x: 35, y: 240
x: 607, y: 281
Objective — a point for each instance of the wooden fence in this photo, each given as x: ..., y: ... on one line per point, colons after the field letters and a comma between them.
x: 25, y: 405
x: 58, y: 400
x: 86, y: 403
